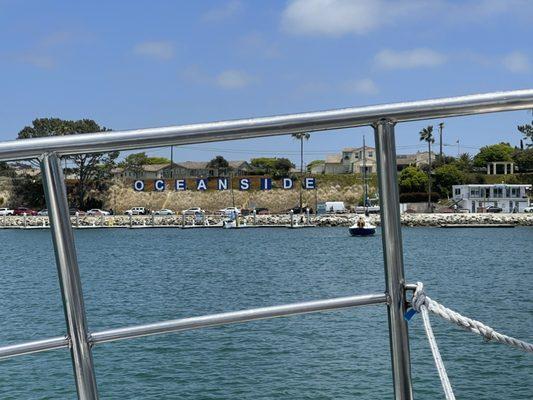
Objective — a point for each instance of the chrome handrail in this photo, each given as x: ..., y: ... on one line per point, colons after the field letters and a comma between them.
x: 382, y: 117
x: 266, y: 126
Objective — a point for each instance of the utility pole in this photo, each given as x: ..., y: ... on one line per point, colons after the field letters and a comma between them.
x: 441, y: 125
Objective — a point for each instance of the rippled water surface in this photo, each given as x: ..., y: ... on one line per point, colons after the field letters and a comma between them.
x: 140, y: 276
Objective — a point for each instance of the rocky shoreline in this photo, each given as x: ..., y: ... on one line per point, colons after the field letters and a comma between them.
x: 342, y: 220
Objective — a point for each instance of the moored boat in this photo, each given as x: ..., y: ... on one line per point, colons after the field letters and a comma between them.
x: 362, y: 228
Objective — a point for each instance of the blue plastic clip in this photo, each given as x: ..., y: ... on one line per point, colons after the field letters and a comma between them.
x: 409, y: 314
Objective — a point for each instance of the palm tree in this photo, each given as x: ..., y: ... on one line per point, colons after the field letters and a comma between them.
x: 301, y: 136
x: 426, y: 135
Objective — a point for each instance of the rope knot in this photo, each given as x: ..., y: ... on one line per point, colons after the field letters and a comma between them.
x: 419, y: 297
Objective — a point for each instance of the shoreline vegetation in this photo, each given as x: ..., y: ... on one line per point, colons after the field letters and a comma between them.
x: 324, y: 220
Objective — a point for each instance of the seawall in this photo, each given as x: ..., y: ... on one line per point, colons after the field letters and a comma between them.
x: 343, y: 220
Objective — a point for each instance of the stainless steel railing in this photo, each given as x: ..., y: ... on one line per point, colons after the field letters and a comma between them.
x: 382, y: 117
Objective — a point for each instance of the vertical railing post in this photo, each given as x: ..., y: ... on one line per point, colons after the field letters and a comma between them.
x: 69, y: 276
x: 391, y: 236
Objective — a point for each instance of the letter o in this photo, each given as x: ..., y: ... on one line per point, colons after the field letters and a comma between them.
x: 138, y: 186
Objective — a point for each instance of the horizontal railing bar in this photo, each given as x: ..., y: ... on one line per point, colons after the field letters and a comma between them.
x: 33, y: 347
x: 266, y: 126
x: 235, y: 317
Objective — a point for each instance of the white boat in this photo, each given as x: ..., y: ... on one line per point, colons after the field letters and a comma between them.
x: 229, y: 224
x: 362, y: 228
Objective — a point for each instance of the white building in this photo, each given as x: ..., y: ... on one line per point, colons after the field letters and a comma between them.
x: 476, y: 197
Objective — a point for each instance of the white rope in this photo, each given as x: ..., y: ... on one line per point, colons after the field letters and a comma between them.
x: 420, y: 299
x: 444, y: 380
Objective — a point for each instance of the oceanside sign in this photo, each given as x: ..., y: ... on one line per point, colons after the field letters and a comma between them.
x: 221, y: 183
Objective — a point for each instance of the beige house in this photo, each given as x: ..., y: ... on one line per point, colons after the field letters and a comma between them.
x: 350, y: 161
x: 185, y: 169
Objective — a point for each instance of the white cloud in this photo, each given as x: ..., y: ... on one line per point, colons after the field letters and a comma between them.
x: 161, y: 50
x: 415, y: 58
x: 516, y: 62
x: 362, y: 86
x: 233, y: 79
x: 225, y: 11
x: 340, y: 17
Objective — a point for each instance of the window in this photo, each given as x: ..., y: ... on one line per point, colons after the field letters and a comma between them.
x: 475, y: 192
x: 457, y: 191
x: 370, y: 154
x: 515, y: 192
x: 497, y: 192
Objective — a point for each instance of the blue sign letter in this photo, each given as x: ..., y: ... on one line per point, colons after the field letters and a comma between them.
x: 181, y: 184
x: 159, y: 185
x: 244, y: 184
x: 138, y: 186
x: 266, y: 183
x: 287, y: 183
x: 310, y: 183
x: 222, y: 184
x: 201, y: 184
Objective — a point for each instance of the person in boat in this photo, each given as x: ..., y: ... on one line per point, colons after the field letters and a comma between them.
x: 361, y: 223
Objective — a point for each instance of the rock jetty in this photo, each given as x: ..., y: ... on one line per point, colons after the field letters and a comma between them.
x: 341, y: 220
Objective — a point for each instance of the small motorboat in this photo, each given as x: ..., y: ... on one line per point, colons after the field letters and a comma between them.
x: 362, y: 228
x: 229, y: 224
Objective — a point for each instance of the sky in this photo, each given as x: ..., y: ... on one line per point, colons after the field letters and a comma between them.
x: 136, y: 64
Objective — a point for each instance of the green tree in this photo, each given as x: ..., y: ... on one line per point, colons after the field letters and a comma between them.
x: 527, y: 131
x: 157, y: 160
x: 426, y: 135
x: 446, y: 176
x: 524, y: 159
x: 283, y: 166
x: 87, y: 167
x: 218, y: 162
x: 412, y: 179
x: 277, y: 167
x: 464, y: 162
x: 493, y: 152
x: 134, y: 162
x: 313, y: 163
x: 29, y: 191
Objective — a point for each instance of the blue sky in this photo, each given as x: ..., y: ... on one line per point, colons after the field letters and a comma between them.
x: 134, y: 64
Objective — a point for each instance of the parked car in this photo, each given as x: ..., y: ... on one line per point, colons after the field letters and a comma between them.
x: 136, y: 211
x: 229, y: 211
x: 164, y: 211
x: 97, y: 211
x: 262, y: 211
x: 528, y: 209
x: 43, y: 212
x: 494, y: 209
x: 193, y: 211
x: 24, y: 210
x: 74, y: 210
x: 6, y: 211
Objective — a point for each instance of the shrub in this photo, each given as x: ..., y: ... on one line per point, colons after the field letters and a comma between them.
x: 418, y: 197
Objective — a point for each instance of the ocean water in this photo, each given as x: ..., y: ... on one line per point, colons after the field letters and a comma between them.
x: 140, y: 276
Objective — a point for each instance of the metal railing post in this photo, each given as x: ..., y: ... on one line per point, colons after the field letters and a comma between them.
x: 391, y: 236
x: 69, y: 276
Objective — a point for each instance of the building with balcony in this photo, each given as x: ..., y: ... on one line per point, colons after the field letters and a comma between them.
x: 477, y: 197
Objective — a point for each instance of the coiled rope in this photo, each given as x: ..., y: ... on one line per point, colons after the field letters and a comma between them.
x: 423, y: 304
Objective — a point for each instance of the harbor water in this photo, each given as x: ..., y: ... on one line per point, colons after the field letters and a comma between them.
x: 140, y: 276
